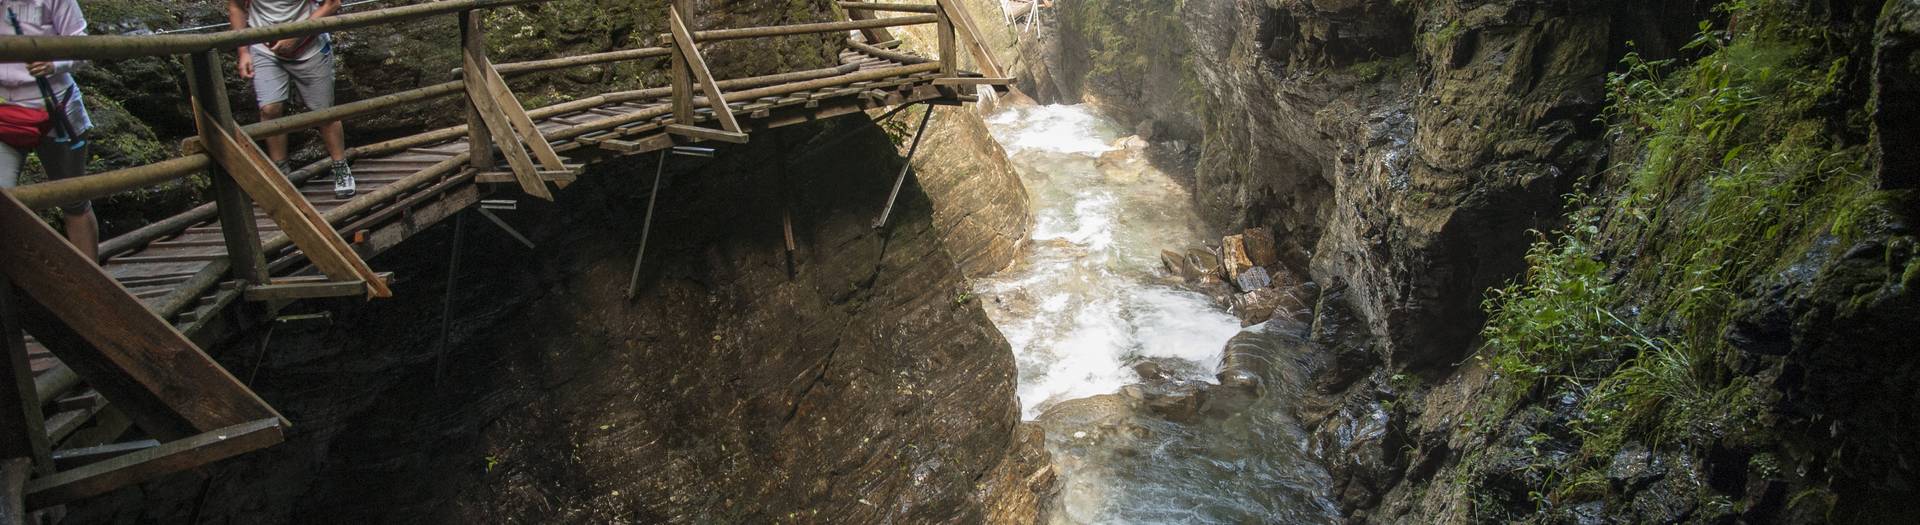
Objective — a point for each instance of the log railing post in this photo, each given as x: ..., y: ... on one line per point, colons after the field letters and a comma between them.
x: 22, y: 426
x: 949, y: 65
x: 473, y: 41
x: 212, y: 115
x: 682, y: 74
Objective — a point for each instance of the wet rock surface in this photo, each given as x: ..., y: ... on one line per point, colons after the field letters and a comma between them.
x: 857, y: 390
x: 1400, y: 151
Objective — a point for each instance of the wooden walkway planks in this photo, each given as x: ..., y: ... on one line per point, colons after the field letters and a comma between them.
x: 399, y: 197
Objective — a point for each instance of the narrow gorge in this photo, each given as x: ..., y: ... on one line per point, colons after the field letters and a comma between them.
x: 1203, y: 261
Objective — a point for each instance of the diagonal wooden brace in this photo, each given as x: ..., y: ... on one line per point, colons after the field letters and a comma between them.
x: 270, y: 189
x: 499, y: 126
x: 963, y: 22
x: 137, y: 360
x: 529, y: 133
x: 683, y: 40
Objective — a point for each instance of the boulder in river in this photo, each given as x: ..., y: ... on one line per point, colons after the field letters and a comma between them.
x: 1253, y: 279
x: 1233, y: 256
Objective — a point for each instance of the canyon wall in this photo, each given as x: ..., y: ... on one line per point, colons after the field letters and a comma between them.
x: 1673, y: 339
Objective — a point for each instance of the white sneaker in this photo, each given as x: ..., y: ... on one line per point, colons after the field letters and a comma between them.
x: 342, y: 180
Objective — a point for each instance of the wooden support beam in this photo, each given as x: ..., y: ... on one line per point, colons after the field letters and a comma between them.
x: 655, y: 142
x: 473, y: 41
x: 517, y: 116
x: 949, y: 63
x: 295, y: 215
x: 701, y: 133
x: 982, y: 58
x: 212, y: 113
x: 129, y: 354
x: 71, y: 458
x: 308, y: 288
x: 13, y: 486
x: 22, y: 425
x: 683, y: 40
x: 682, y: 76
x: 873, y: 35
x: 558, y: 177
x: 145, y: 464
x: 499, y: 128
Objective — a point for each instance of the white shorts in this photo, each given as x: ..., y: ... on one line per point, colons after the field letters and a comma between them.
x: 274, y: 78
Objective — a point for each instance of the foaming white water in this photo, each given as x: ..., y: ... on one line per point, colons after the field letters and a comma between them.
x: 1087, y: 305
x: 1052, y: 129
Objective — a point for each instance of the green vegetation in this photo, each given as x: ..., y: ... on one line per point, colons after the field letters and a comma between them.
x: 1743, y: 164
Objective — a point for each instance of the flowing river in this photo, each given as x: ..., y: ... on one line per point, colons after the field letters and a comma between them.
x: 1088, y: 311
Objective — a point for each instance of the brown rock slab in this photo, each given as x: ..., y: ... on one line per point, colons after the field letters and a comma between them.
x: 1261, y: 248
x: 1233, y: 256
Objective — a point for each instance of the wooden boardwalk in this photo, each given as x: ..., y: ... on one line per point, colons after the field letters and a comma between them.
x: 108, y: 367
x: 399, y: 203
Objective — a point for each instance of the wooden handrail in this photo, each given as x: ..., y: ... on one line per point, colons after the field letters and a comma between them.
x: 54, y: 193
x: 715, y: 35
x: 103, y: 47
x: 897, y: 8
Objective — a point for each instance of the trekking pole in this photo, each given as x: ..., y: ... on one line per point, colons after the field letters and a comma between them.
x: 56, y: 112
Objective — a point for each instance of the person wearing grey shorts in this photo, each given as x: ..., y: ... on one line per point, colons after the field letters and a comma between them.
x: 301, y: 64
x: 19, y: 85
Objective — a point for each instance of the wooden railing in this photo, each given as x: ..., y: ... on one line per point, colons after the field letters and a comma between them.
x: 133, y: 355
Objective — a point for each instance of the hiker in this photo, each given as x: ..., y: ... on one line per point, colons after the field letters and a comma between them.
x: 304, y: 64
x: 53, y: 129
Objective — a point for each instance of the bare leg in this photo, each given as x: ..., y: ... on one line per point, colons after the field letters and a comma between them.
x: 335, y: 135
x: 83, y: 230
x: 276, y: 145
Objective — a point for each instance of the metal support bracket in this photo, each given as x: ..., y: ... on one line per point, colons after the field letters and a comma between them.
x: 904, y: 168
x: 502, y: 223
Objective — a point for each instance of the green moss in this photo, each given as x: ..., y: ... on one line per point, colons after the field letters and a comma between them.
x: 126, y: 11
x: 1375, y: 70
x: 1743, y: 168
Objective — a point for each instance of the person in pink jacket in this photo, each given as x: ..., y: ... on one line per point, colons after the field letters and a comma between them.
x: 18, y: 86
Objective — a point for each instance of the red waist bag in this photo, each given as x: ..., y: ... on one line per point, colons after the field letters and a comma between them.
x: 21, y: 126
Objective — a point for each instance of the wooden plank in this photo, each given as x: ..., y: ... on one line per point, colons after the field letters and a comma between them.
x: 129, y: 354
x: 303, y: 224
x: 502, y: 133
x: 972, y: 81
x: 707, y: 133
x: 654, y: 142
x: 312, y: 290
x: 76, y: 457
x: 13, y: 484
x: 22, y: 425
x: 142, y: 465
x: 683, y: 39
x: 503, y: 177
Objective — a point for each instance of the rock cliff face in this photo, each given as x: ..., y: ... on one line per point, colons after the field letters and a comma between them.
x: 1402, y: 151
x: 858, y: 389
x: 850, y: 383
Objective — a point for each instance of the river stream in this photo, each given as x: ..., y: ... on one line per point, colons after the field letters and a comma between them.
x: 1088, y: 309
